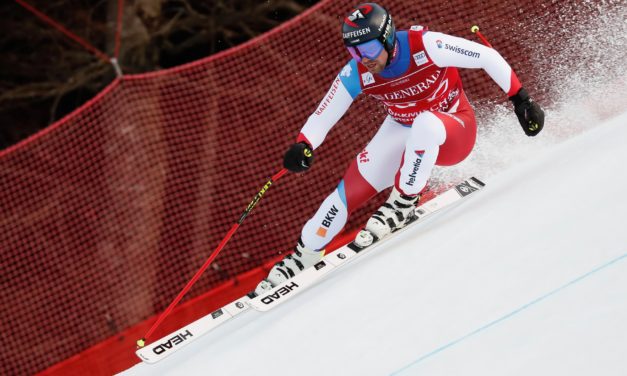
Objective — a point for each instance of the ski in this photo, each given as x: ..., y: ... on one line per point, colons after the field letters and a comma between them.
x: 182, y: 337
x: 310, y: 276
x: 365, y: 239
x: 175, y: 341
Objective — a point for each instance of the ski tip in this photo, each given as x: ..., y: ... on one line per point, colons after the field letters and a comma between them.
x: 477, y: 181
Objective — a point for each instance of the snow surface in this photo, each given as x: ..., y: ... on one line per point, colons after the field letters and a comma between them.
x: 529, y: 277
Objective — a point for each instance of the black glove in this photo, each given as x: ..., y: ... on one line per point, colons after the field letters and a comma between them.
x: 298, y: 157
x: 530, y: 115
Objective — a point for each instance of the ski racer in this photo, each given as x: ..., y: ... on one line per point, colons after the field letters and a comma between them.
x: 430, y: 122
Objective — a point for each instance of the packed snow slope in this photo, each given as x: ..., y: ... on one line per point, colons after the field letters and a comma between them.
x: 528, y: 277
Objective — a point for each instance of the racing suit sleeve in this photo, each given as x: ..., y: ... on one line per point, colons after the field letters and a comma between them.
x: 449, y: 51
x: 343, y: 91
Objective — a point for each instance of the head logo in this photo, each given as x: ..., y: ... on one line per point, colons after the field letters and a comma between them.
x: 357, y: 14
x: 388, y: 27
x: 439, y: 43
x: 269, y: 299
x: 171, y: 342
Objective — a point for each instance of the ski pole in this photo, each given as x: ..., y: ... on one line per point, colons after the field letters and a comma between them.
x: 142, y: 342
x: 475, y: 30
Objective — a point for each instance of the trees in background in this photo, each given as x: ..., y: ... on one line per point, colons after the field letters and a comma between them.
x: 44, y: 75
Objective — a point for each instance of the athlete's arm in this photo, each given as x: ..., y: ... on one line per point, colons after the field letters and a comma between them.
x: 343, y: 91
x: 449, y: 51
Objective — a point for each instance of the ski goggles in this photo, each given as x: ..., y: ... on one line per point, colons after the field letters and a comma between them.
x: 370, y: 50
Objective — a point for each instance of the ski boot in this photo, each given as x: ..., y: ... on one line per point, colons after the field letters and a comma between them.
x: 292, y: 264
x: 394, y: 214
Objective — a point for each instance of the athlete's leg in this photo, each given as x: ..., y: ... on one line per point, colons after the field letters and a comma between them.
x: 419, y: 156
x: 436, y: 138
x: 372, y: 171
x: 461, y: 133
x: 421, y: 152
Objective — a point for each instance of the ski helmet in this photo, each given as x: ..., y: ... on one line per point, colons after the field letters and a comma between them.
x: 366, y: 22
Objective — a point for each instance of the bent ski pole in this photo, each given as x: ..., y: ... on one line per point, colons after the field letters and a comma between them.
x: 214, y: 254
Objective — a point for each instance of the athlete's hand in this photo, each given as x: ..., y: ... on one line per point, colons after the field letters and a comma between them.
x: 530, y: 115
x: 298, y: 157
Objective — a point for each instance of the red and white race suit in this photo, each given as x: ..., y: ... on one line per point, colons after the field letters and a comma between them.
x: 430, y: 122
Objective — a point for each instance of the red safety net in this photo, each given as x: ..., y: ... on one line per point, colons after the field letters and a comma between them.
x: 109, y: 212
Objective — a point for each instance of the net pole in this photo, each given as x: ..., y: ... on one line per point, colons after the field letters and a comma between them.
x: 118, y: 29
x: 101, y: 55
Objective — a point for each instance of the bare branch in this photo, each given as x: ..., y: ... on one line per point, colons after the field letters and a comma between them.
x: 39, y: 66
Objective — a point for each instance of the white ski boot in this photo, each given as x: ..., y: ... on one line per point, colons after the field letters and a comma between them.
x: 292, y: 264
x: 394, y: 214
